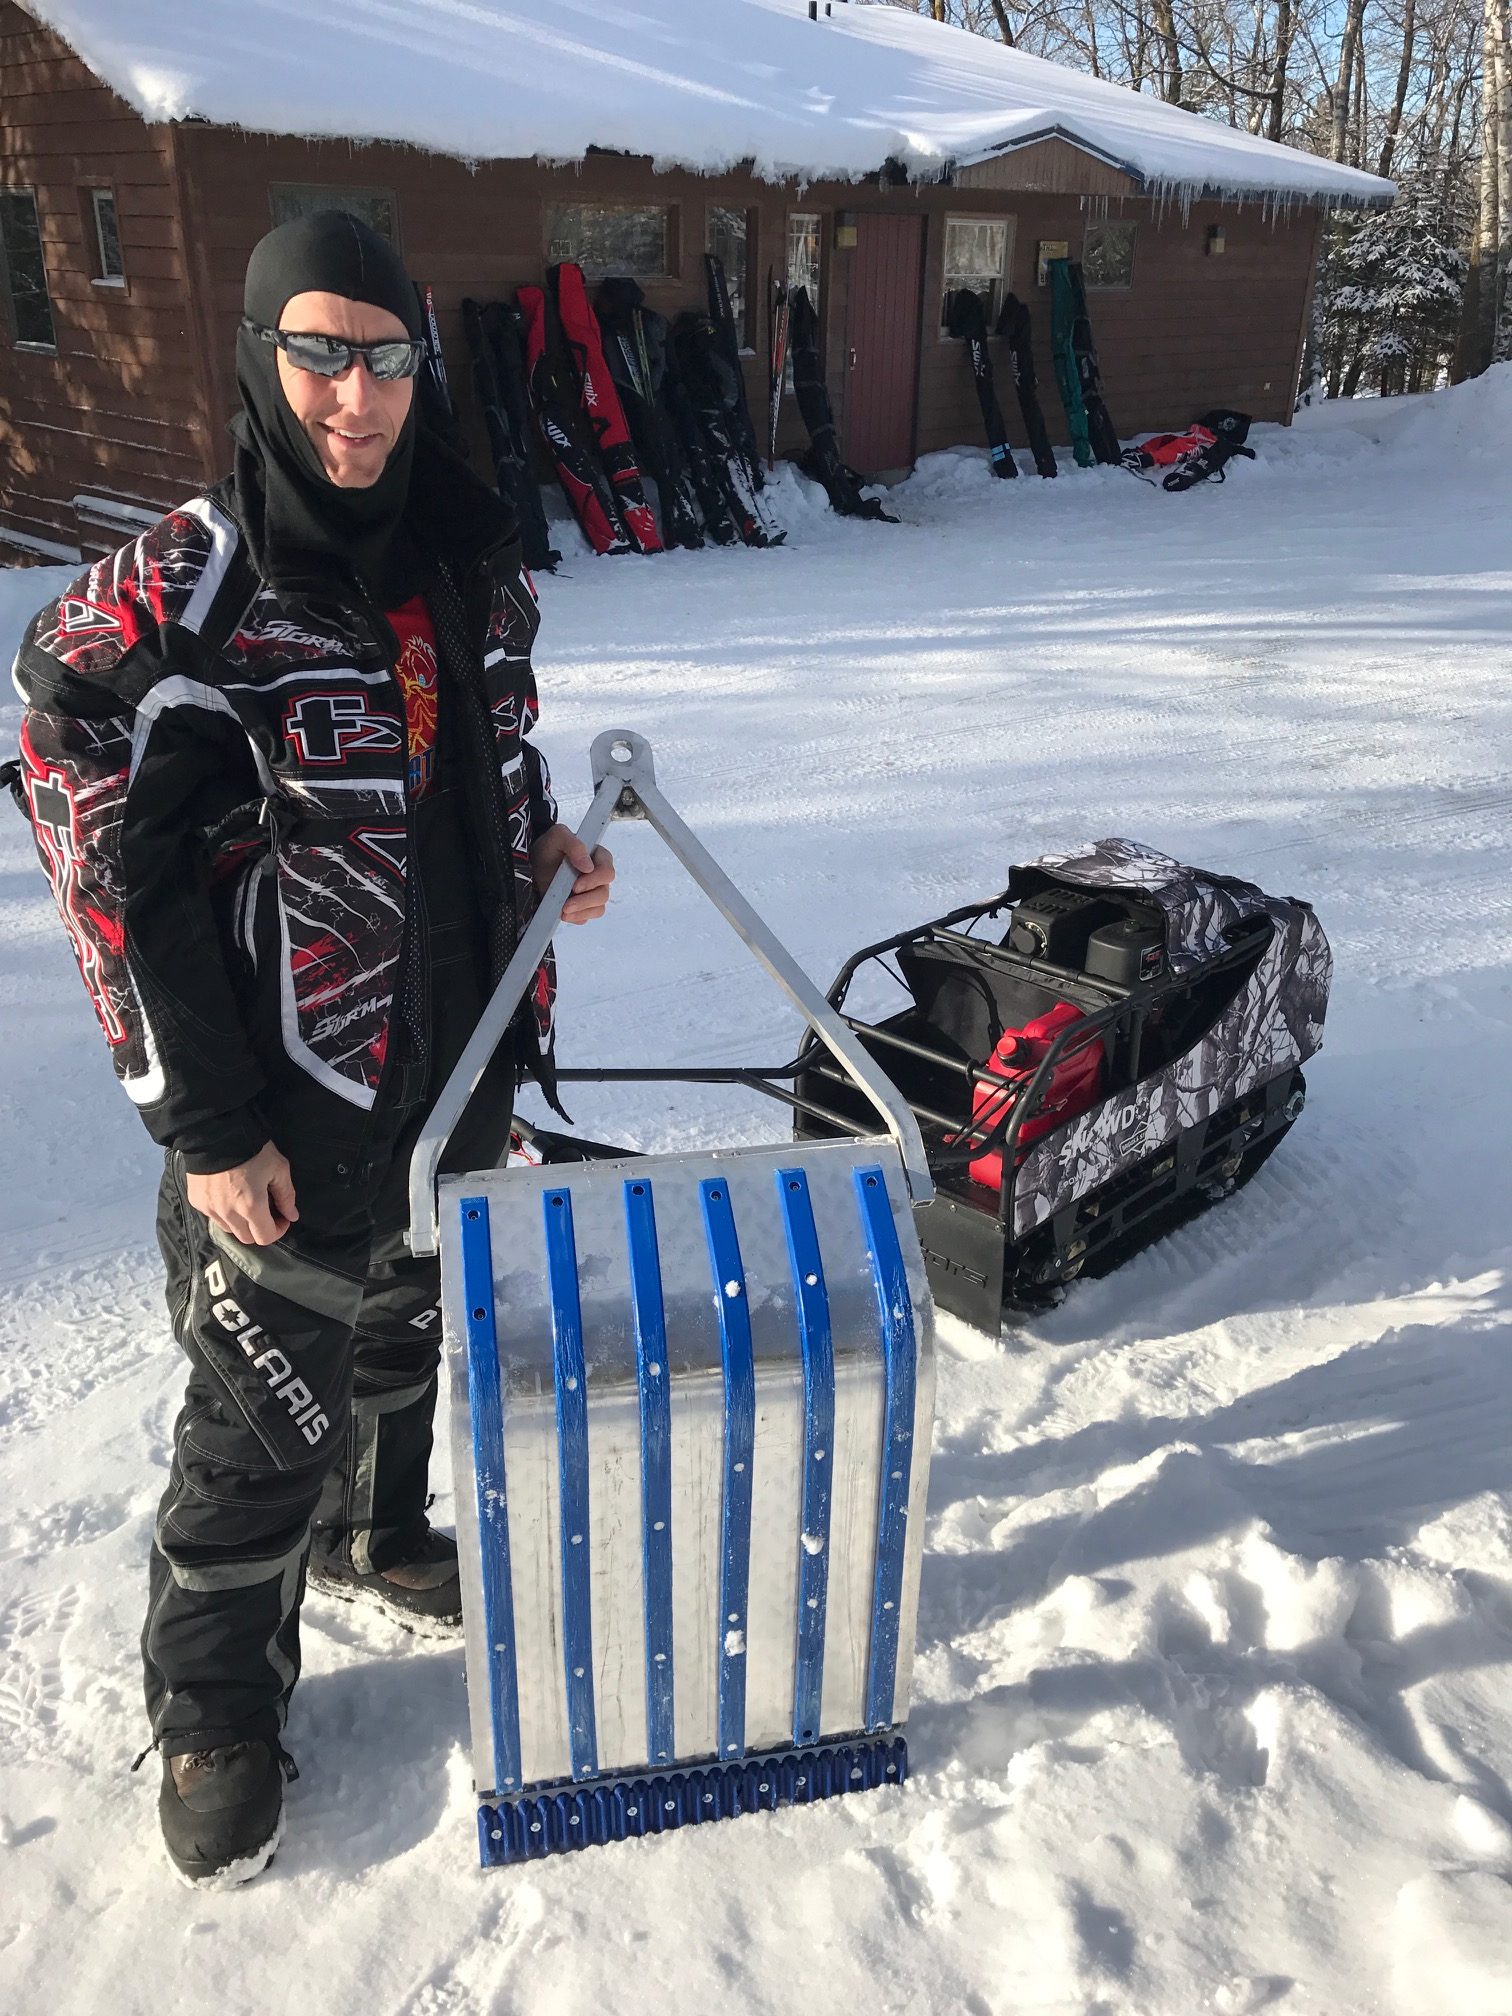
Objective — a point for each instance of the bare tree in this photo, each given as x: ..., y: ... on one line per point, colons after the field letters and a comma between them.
x: 1285, y: 29
x: 1404, y: 80
x: 1496, y: 128
x: 1339, y: 98
x: 1483, y: 285
x: 1170, y: 51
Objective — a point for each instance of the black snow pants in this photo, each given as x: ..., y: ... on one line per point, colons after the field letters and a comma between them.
x: 308, y: 1416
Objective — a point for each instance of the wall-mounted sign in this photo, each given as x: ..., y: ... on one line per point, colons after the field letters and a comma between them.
x: 1048, y: 249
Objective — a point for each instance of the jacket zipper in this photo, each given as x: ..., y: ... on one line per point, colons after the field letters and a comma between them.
x: 269, y: 817
x: 249, y: 903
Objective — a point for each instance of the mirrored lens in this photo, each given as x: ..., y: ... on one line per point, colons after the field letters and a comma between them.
x: 393, y: 360
x: 321, y: 354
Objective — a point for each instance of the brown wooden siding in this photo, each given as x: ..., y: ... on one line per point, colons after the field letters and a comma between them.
x: 135, y: 402
x: 480, y: 233
x: 115, y: 411
x: 1048, y: 168
x: 1193, y: 331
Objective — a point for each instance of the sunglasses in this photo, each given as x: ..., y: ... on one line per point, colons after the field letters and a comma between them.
x: 329, y: 356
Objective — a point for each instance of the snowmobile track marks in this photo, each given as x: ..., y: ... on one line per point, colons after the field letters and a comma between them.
x: 1434, y: 808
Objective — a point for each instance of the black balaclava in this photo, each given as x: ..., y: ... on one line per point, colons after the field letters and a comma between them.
x: 303, y: 528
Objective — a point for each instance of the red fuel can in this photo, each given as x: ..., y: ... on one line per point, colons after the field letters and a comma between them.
x: 1075, y: 1083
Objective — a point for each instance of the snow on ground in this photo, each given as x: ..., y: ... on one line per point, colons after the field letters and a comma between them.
x: 1212, y: 1701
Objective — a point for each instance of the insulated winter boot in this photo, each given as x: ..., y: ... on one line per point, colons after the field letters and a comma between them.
x: 422, y: 1590
x: 222, y: 1811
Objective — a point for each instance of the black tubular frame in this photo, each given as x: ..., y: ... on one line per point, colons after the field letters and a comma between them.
x: 963, y: 1143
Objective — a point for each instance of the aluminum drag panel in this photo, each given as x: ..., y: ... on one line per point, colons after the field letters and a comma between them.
x: 695, y: 1393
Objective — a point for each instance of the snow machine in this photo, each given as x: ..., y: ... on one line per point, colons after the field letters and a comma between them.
x: 692, y: 1399
x: 1093, y: 1055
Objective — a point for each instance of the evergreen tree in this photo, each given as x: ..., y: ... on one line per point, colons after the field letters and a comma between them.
x: 1390, y: 286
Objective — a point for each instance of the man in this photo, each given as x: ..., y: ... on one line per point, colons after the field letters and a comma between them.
x: 276, y: 758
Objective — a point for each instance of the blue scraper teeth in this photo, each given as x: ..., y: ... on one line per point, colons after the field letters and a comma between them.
x: 545, y: 1823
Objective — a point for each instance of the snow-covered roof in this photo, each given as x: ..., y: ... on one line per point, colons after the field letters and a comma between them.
x: 701, y: 84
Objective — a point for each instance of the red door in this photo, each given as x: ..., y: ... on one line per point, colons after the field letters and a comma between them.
x: 882, y: 356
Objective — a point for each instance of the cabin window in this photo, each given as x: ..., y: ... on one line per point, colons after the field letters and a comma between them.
x: 803, y: 237
x: 1108, y: 254
x: 378, y: 208
x: 607, y: 239
x: 729, y: 238
x: 110, y: 266
x: 803, y: 253
x: 977, y: 252
x: 23, y: 271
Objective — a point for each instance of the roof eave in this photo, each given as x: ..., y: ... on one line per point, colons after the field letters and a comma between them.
x: 894, y: 169
x: 1206, y: 192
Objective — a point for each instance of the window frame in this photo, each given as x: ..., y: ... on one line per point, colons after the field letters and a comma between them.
x: 333, y: 196
x: 1128, y: 224
x: 670, y: 245
x: 747, y: 290
x: 7, y: 286
x: 1009, y: 221
x: 817, y: 296
x: 94, y: 191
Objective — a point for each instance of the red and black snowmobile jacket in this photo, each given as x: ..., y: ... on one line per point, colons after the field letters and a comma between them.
x: 216, y: 779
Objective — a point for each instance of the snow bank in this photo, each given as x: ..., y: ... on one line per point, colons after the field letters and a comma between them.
x: 701, y: 84
x: 1473, y: 419
x: 1469, y: 420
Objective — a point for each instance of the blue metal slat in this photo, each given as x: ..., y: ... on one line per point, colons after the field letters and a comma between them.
x: 900, y: 1363
x: 485, y: 1392
x: 572, y: 1456
x: 649, y: 1312
x: 818, y: 1448
x: 739, y: 1444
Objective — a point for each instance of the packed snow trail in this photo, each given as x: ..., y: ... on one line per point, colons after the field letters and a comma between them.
x: 1211, y: 1703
